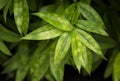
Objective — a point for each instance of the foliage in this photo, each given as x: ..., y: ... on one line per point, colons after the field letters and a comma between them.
x: 39, y: 37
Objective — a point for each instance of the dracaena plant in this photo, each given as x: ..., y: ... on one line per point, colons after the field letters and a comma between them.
x: 41, y: 38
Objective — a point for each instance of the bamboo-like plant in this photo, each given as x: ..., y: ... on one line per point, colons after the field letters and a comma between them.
x: 38, y: 37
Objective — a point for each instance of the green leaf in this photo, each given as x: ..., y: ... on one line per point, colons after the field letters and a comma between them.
x: 32, y: 5
x: 60, y: 8
x: 21, y: 15
x: 91, y: 26
x: 57, y: 70
x: 62, y: 47
x: 43, y: 65
x: 86, y: 1
x: 56, y: 20
x: 69, y: 11
x: 7, y: 35
x: 3, y: 3
x: 90, y: 14
x: 75, y: 15
x: 5, y: 10
x: 89, y: 42
x: 76, y: 49
x: 104, y: 42
x: 43, y: 33
x: 4, y: 48
x: 116, y: 68
x: 110, y: 64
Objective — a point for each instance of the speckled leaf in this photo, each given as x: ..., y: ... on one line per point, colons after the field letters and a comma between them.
x: 69, y: 11
x: 43, y: 33
x: 43, y: 65
x: 62, y: 47
x: 89, y: 13
x: 89, y: 42
x: 21, y: 15
x: 3, y: 3
x: 116, y: 68
x: 91, y: 27
x: 7, y: 35
x: 76, y: 49
x: 4, y: 48
x: 57, y: 70
x: 56, y: 20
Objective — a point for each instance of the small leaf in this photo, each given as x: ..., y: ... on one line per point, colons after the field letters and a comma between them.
x: 116, y: 68
x: 89, y: 42
x: 90, y: 14
x: 4, y: 48
x: 62, y: 47
x: 76, y: 49
x: 3, y: 3
x: 21, y: 15
x: 43, y: 33
x: 7, y: 35
x: 91, y: 26
x: 56, y: 20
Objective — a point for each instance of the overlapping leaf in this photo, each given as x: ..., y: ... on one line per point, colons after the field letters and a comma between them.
x: 76, y: 49
x: 42, y: 33
x: 91, y: 26
x: 90, y: 14
x: 62, y: 47
x: 89, y: 42
x: 56, y: 20
x: 3, y: 3
x: 21, y: 15
x: 7, y: 35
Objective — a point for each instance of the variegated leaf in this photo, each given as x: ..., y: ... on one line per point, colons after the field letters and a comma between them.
x: 89, y: 42
x: 76, y: 49
x: 43, y: 33
x: 62, y: 47
x: 89, y: 13
x: 91, y: 27
x: 21, y: 15
x: 56, y: 20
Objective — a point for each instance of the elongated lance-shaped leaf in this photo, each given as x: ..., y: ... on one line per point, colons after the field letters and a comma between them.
x: 7, y: 35
x: 43, y: 65
x: 4, y: 48
x: 116, y: 68
x: 62, y: 47
x: 5, y: 10
x: 21, y: 15
x: 3, y: 3
x: 56, y: 20
x: 43, y: 33
x: 60, y: 8
x: 89, y: 42
x: 57, y: 70
x: 69, y: 11
x: 87, y: 59
x: 76, y: 49
x: 75, y: 15
x: 110, y: 65
x: 91, y: 27
x: 90, y: 14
